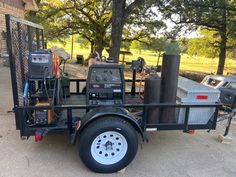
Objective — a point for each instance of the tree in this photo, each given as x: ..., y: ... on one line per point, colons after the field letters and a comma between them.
x: 216, y: 15
x: 90, y: 19
x: 137, y: 45
x: 157, y: 45
x: 204, y: 45
x: 183, y: 44
x: 127, y: 17
x: 143, y: 26
x: 120, y: 12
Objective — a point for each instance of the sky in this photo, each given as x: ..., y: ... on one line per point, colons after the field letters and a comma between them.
x: 170, y: 25
x: 192, y: 34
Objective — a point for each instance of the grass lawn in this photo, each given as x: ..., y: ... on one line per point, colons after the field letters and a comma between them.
x: 196, y: 63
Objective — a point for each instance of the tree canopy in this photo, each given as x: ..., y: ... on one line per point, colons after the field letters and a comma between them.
x: 213, y: 15
x: 89, y: 19
x: 92, y: 20
x: 116, y: 23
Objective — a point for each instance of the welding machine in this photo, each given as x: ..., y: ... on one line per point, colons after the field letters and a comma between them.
x: 105, y: 85
x: 42, y: 65
x: 42, y: 79
x: 44, y: 116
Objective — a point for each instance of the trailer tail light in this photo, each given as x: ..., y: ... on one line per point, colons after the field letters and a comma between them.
x: 78, y: 124
x: 202, y: 97
x: 38, y: 137
x: 191, y: 132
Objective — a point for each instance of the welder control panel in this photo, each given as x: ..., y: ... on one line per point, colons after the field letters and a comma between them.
x: 40, y: 65
x: 105, y: 85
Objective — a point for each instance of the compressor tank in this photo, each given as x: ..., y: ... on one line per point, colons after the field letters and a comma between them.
x: 169, y: 84
x: 152, y: 96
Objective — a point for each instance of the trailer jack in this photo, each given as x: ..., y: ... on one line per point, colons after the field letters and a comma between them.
x: 39, y: 134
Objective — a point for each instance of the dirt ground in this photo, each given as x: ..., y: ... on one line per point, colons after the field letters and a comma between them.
x: 168, y: 154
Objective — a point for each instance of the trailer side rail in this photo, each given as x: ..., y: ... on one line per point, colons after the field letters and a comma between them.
x: 28, y: 131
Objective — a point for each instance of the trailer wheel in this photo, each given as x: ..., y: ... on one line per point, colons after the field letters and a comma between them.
x: 108, y: 145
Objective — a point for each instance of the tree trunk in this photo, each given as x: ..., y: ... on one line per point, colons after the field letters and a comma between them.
x: 99, y: 48
x: 72, y: 47
x: 222, y: 55
x: 91, y: 47
x: 223, y: 44
x: 99, y: 43
x: 118, y: 10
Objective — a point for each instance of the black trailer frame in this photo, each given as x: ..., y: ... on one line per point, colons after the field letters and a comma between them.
x: 24, y: 37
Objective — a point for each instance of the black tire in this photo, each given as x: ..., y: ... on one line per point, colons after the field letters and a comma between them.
x: 104, y: 125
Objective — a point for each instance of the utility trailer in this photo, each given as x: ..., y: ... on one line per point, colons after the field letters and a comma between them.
x: 105, y: 120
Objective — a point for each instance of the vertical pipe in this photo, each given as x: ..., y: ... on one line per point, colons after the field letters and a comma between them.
x: 133, y: 87
x: 152, y: 96
x: 215, y: 118
x: 186, y: 119
x: 169, y: 79
x: 77, y: 87
x: 69, y: 120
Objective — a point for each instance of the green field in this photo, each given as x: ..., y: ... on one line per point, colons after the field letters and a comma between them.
x: 196, y: 63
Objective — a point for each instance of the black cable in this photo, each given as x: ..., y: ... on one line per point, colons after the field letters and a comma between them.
x: 45, y: 81
x: 54, y: 90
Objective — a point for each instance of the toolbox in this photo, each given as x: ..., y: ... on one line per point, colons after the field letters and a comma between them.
x: 191, y: 92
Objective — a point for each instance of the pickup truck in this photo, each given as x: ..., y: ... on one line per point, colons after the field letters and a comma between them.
x: 226, y: 84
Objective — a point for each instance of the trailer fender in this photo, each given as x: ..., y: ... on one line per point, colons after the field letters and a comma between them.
x: 97, y: 113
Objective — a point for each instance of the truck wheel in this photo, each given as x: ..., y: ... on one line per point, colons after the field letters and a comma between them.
x: 108, y: 145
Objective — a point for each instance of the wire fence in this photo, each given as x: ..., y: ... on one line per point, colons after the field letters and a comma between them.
x: 23, y: 37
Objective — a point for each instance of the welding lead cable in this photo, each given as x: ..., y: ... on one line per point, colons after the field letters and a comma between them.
x: 58, y: 91
x: 54, y: 90
x: 45, y: 81
x: 25, y: 93
x: 53, y: 99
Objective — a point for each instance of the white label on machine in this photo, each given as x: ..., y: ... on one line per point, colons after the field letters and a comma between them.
x: 117, y: 90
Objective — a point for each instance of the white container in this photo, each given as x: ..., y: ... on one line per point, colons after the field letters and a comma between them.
x: 191, y: 92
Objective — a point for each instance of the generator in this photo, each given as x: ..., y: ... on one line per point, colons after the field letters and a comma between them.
x: 105, y: 85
